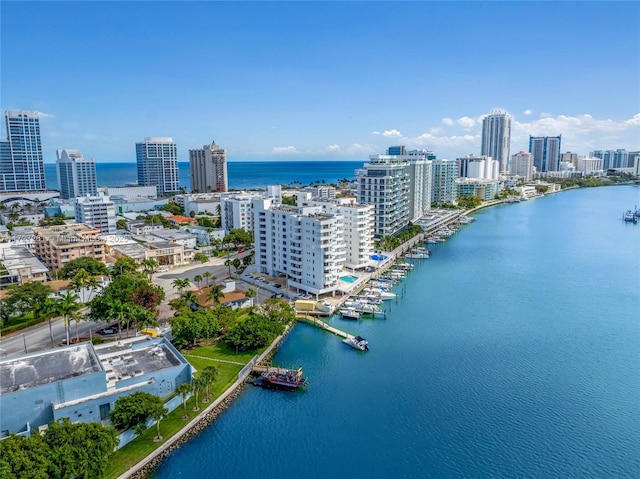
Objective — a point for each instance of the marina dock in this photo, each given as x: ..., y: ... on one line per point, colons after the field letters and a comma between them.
x: 322, y: 325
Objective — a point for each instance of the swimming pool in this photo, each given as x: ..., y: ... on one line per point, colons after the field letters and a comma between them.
x: 348, y: 279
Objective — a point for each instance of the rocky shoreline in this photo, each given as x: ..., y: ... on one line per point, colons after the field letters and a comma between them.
x: 207, y: 419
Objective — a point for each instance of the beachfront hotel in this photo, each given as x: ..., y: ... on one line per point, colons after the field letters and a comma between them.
x: 302, y: 242
x: 157, y: 163
x: 21, y: 161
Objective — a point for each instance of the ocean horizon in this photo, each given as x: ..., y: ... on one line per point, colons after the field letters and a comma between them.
x: 243, y: 175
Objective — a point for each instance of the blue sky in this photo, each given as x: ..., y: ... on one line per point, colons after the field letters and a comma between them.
x: 321, y: 80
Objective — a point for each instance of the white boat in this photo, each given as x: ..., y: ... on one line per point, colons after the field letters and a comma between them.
x: 350, y: 313
x: 357, y: 342
x: 416, y: 256
x: 362, y: 307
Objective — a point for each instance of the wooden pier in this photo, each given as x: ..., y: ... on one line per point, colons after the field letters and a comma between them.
x: 322, y: 325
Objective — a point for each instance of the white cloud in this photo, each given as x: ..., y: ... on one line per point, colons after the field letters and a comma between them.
x: 528, y: 112
x: 447, y: 121
x: 332, y: 148
x: 358, y: 149
x: 42, y: 114
x: 388, y: 133
x: 284, y: 150
x: 466, y: 122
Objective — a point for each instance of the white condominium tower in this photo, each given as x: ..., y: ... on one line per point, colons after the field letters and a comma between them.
x: 208, y: 169
x: 522, y: 165
x: 480, y: 167
x: 76, y: 175
x: 302, y: 243
x: 444, y: 189
x: 157, y: 160
x: 496, y: 138
x: 21, y: 162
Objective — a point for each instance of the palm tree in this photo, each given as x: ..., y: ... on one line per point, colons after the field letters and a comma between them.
x: 149, y: 265
x: 206, y: 275
x: 209, y: 375
x: 48, y: 309
x: 198, y: 385
x: 158, y: 413
x: 181, y: 284
x: 184, y: 389
x: 68, y: 306
x: 198, y: 279
x: 236, y: 263
x: 80, y: 281
x: 117, y: 311
x: 215, y: 293
x: 251, y: 293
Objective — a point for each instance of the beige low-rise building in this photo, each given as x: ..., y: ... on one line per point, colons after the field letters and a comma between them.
x: 57, y: 245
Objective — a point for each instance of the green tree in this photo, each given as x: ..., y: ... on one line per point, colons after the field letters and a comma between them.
x: 149, y: 265
x: 79, y: 450
x: 198, y: 385
x: 157, y: 413
x: 121, y: 224
x: 123, y: 288
x: 173, y: 208
x: 215, y: 294
x: 81, y: 281
x: 149, y: 296
x: 181, y: 284
x: 91, y: 265
x: 207, y: 275
x: 236, y: 263
x: 200, y: 257
x: 22, y: 458
x: 133, y: 410
x: 209, y: 375
x: 251, y: 293
x: 198, y: 279
x: 184, y: 390
x: 124, y: 265
x: 289, y: 200
x: 23, y: 298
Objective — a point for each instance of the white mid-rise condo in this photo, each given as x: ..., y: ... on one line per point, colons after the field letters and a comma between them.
x: 157, y: 161
x: 301, y: 242
x: 76, y: 175
x: 97, y: 212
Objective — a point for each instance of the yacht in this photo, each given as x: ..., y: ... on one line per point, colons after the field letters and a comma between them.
x: 357, y: 342
x: 350, y: 313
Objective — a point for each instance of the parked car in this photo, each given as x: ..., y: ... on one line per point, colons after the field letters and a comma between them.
x: 277, y: 295
x: 162, y: 270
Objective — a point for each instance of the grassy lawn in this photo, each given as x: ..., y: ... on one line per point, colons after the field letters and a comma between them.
x: 143, y: 445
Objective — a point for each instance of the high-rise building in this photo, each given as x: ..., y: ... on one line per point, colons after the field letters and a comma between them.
x: 589, y: 166
x: 522, y: 165
x: 157, y: 160
x: 620, y: 158
x: 96, y: 211
x: 76, y: 175
x: 569, y: 158
x: 445, y: 173
x: 384, y: 182
x: 208, y: 169
x: 496, y: 138
x: 546, y: 152
x: 634, y: 161
x: 21, y: 162
x: 480, y: 167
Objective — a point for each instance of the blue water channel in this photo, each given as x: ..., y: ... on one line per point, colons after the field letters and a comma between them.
x: 511, y: 352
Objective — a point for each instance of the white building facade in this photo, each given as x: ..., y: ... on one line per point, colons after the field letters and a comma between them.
x: 236, y: 212
x: 302, y: 243
x: 157, y: 164
x: 496, y: 138
x: 479, y: 167
x: 76, y: 175
x: 445, y: 173
x: 522, y: 165
x: 98, y: 212
x: 589, y: 166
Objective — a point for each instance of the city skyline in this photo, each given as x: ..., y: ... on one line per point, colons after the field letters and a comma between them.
x: 320, y: 80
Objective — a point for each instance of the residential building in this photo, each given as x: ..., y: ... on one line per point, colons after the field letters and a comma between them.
x: 21, y: 161
x: 200, y: 203
x: 569, y: 157
x: 76, y: 175
x: 590, y: 166
x: 480, y: 167
x: 208, y: 169
x: 236, y: 212
x: 321, y: 191
x: 634, y: 162
x: 358, y: 226
x: 18, y: 265
x: 131, y: 192
x: 444, y: 188
x: 522, y: 165
x: 496, y: 138
x: 301, y: 242
x: 621, y: 159
x: 141, y: 227
x: 546, y: 152
x: 96, y: 211
x: 384, y: 182
x: 157, y: 160
x: 484, y: 188
x: 82, y: 382
x: 420, y: 173
x: 57, y: 245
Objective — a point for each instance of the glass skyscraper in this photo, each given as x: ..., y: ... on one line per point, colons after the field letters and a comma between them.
x: 157, y: 160
x: 21, y: 162
x: 546, y: 152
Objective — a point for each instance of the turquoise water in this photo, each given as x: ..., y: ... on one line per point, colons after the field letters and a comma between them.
x: 242, y: 175
x: 349, y: 279
x: 512, y: 352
